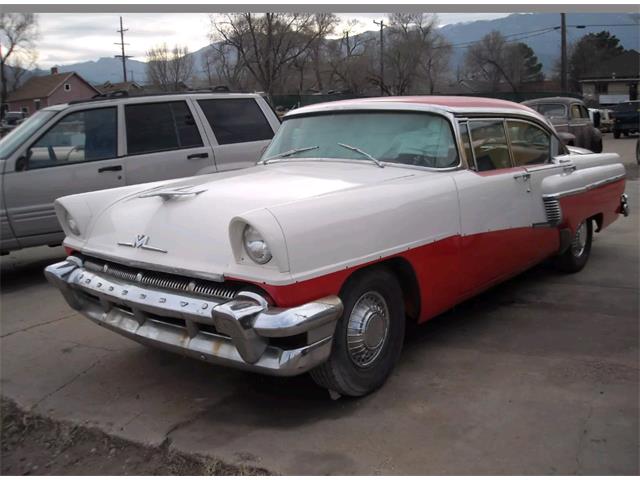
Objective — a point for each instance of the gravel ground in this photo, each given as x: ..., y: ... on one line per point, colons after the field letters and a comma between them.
x: 35, y: 445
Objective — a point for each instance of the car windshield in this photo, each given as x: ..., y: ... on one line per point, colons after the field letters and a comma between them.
x: 552, y: 109
x: 22, y: 132
x: 408, y: 138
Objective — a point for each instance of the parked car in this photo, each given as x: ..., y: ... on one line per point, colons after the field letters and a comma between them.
x: 10, y: 121
x: 626, y: 118
x: 115, y: 141
x: 360, y: 216
x: 571, y: 120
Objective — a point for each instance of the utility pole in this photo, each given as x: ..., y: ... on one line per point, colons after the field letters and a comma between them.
x: 563, y: 54
x: 381, y: 23
x: 122, y: 44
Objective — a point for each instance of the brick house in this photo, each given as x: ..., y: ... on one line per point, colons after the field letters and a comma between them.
x: 613, y: 81
x: 42, y: 91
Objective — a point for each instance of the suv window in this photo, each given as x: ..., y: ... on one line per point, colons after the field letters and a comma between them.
x: 157, y: 127
x: 83, y: 136
x: 489, y: 144
x: 530, y: 145
x: 236, y: 120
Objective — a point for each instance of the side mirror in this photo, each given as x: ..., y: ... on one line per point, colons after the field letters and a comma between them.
x: 21, y: 163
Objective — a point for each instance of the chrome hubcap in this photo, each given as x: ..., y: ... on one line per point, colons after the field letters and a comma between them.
x: 579, y: 241
x: 367, y: 328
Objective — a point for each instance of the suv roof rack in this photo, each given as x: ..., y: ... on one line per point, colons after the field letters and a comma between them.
x: 125, y: 94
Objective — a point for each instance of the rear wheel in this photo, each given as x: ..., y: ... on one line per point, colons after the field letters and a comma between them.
x: 368, y: 337
x: 575, y: 257
x: 616, y: 134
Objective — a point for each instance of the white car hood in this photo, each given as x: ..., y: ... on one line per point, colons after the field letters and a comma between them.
x: 194, y: 230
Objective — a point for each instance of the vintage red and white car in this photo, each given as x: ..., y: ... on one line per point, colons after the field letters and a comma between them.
x: 361, y: 216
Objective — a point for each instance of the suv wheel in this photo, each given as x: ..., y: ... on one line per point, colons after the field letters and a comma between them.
x: 368, y: 337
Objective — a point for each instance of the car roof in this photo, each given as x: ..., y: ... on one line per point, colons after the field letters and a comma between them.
x: 151, y: 98
x: 456, y: 105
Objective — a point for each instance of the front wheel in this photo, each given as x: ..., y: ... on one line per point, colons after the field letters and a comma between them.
x: 368, y: 338
x: 575, y: 257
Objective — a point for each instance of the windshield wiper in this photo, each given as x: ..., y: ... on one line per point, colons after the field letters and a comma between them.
x: 288, y: 153
x: 362, y: 152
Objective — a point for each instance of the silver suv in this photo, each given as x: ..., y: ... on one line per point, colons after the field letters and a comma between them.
x: 112, y: 142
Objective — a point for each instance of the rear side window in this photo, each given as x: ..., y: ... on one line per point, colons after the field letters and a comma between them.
x: 530, y: 145
x: 236, y: 120
x: 157, y: 127
x: 489, y: 144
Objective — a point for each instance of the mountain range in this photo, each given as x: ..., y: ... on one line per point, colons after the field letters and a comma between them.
x: 526, y: 27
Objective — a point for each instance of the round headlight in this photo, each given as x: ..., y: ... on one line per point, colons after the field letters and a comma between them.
x: 255, y: 245
x: 72, y: 224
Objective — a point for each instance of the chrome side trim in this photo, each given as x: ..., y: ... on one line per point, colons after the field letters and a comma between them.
x: 586, y: 188
x: 236, y: 332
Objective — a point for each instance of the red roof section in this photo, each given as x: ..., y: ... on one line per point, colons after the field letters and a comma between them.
x: 457, y: 102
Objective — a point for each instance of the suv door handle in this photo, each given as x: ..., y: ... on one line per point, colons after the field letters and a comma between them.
x: 112, y: 168
x: 198, y: 155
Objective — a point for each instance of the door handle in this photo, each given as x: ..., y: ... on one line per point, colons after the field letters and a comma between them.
x: 198, y: 155
x: 523, y: 176
x: 112, y: 168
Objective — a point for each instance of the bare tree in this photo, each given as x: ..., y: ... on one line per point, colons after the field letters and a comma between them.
x: 325, y: 24
x: 350, y: 59
x: 411, y: 38
x: 169, y: 69
x: 495, y: 60
x: 434, y: 62
x: 267, y: 43
x: 18, y: 32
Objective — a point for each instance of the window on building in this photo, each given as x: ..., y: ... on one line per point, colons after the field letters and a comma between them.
x: 25, y: 110
x: 602, y: 88
x: 157, y: 127
x: 37, y: 104
x: 236, y: 120
x: 67, y: 87
x: 489, y: 144
x: 83, y: 136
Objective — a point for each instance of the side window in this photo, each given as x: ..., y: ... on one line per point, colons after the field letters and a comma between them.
x: 489, y: 144
x: 466, y: 144
x: 530, y: 145
x: 83, y: 136
x: 236, y: 120
x: 584, y: 112
x: 575, y: 111
x: 157, y: 127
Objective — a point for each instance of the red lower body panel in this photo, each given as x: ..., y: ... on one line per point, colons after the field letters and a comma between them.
x: 448, y: 271
x: 604, y: 200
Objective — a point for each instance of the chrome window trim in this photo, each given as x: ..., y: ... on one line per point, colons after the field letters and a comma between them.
x: 450, y: 118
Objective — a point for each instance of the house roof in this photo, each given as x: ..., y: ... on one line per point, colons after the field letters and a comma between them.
x: 42, y: 86
x: 625, y: 65
x: 107, y: 87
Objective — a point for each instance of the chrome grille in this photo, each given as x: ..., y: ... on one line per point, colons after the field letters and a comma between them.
x: 552, y: 211
x: 161, y: 280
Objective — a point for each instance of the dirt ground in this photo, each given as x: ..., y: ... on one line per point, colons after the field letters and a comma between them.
x: 34, y: 445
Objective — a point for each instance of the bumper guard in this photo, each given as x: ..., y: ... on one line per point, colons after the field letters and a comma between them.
x: 240, y: 332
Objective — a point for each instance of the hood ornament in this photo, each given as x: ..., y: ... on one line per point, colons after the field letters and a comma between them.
x: 170, y: 193
x: 142, y: 241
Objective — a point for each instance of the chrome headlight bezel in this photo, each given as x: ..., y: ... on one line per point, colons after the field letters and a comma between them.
x: 255, y: 246
x: 71, y: 223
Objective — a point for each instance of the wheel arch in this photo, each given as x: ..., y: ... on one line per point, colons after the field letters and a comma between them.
x: 404, y: 272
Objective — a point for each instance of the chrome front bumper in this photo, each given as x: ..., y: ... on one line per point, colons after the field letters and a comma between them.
x: 244, y: 332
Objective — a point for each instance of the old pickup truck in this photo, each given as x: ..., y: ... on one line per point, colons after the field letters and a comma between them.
x: 361, y: 216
